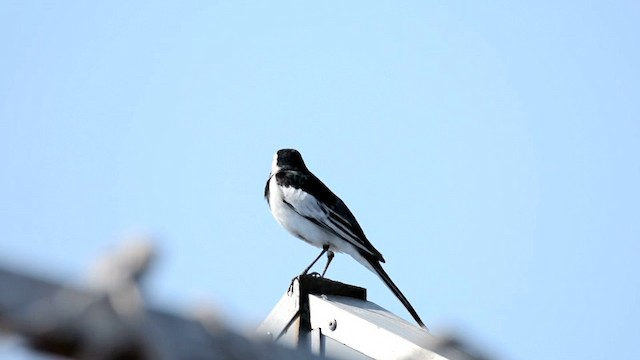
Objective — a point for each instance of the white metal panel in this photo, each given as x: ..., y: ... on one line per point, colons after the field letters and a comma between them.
x: 369, y: 329
x: 337, y: 350
x: 280, y: 320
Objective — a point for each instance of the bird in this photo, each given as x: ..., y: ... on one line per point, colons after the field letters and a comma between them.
x: 310, y: 211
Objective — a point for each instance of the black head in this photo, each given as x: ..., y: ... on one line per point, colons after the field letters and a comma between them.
x: 289, y: 159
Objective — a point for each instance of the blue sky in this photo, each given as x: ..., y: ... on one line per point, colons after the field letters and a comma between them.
x: 489, y: 150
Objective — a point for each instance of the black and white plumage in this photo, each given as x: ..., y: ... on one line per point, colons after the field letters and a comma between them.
x: 305, y: 207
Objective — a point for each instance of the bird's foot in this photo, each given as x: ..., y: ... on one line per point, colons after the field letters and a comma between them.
x: 290, y: 291
x: 314, y: 274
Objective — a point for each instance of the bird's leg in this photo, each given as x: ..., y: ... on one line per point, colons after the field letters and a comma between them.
x: 325, y: 248
x: 330, y: 255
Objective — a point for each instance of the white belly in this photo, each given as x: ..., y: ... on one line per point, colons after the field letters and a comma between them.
x: 300, y: 226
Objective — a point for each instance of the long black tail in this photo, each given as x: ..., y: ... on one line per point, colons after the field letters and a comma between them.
x: 375, y: 264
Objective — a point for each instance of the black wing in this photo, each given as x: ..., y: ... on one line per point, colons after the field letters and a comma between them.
x: 323, y: 208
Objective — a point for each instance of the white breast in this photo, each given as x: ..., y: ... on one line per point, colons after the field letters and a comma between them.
x: 293, y: 222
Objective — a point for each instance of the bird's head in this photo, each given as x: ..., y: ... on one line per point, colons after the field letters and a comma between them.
x: 287, y: 159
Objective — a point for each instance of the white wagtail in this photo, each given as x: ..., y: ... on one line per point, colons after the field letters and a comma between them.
x: 306, y: 207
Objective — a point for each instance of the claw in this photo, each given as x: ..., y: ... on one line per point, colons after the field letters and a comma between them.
x: 290, y: 290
